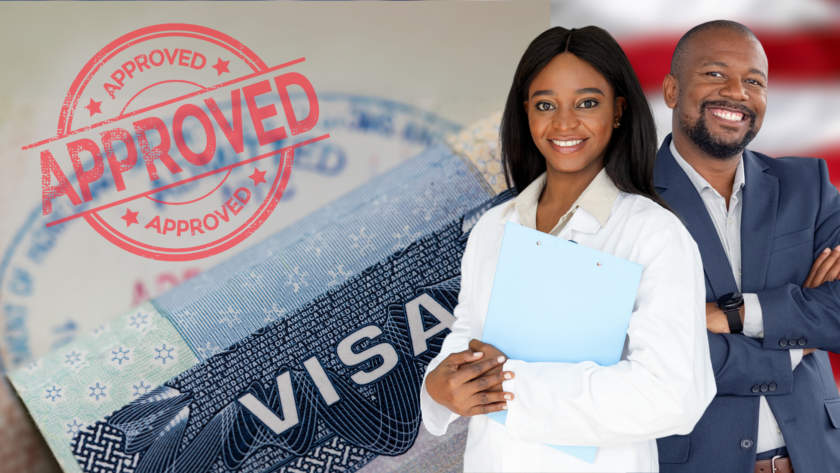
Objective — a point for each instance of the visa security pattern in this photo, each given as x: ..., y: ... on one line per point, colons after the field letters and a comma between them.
x: 330, y: 388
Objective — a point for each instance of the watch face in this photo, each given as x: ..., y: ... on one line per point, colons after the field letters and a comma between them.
x: 731, y: 301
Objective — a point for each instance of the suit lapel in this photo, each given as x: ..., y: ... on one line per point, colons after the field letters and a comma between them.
x: 673, y: 185
x: 758, y: 222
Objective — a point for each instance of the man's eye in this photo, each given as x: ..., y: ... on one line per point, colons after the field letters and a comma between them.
x: 543, y: 106
x: 715, y: 74
x: 753, y: 81
x: 589, y: 103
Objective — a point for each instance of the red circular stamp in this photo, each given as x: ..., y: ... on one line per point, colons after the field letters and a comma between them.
x: 164, y: 118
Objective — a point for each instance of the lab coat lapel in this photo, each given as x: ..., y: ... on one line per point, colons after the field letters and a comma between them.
x: 758, y: 222
x: 673, y: 185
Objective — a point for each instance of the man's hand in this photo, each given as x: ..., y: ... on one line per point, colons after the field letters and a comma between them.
x: 461, y: 383
x: 716, y: 321
x: 825, y: 268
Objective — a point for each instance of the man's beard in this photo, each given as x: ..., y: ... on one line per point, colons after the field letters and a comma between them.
x: 699, y: 134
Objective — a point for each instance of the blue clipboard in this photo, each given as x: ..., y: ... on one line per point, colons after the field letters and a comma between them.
x: 555, y: 300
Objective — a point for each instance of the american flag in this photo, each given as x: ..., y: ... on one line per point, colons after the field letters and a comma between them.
x: 802, y: 42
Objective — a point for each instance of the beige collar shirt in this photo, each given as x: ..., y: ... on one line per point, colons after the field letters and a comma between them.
x: 598, y: 199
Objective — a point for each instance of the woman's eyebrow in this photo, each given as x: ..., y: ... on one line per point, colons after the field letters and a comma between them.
x: 590, y: 90
x: 542, y: 92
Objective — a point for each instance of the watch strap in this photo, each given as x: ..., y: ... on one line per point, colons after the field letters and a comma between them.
x: 734, y: 318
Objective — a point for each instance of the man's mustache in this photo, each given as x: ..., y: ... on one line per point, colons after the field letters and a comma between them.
x: 731, y: 105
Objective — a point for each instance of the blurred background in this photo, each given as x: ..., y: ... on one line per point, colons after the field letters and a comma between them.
x: 46, y: 302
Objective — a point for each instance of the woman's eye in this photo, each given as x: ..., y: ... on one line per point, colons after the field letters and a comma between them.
x: 543, y: 106
x: 588, y: 103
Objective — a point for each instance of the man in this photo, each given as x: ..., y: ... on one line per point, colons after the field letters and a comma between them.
x: 760, y: 224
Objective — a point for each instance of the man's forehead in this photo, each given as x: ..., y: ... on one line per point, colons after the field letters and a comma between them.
x: 724, y: 48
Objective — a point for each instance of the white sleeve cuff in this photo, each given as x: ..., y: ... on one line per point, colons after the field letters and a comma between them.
x: 753, y: 318
x: 795, y: 358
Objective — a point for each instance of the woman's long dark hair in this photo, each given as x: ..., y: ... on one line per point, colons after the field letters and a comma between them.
x: 631, y: 151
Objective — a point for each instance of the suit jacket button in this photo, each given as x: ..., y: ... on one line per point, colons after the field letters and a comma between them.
x: 783, y: 343
x: 755, y: 388
x: 793, y: 341
x: 746, y: 443
x: 802, y: 342
x: 764, y: 388
x: 772, y: 386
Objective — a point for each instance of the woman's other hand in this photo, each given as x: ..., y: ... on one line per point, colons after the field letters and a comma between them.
x: 489, y: 352
x: 462, y: 383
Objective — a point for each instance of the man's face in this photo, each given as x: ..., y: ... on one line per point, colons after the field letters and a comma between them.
x: 722, y: 92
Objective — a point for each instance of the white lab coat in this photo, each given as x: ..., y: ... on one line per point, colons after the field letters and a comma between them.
x: 661, y: 386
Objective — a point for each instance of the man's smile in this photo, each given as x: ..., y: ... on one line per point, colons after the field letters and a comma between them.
x: 728, y: 115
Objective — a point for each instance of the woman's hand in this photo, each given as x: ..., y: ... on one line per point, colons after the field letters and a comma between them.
x: 461, y: 383
x: 490, y: 352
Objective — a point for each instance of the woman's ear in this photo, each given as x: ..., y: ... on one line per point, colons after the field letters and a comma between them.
x: 618, y: 110
x: 525, y: 104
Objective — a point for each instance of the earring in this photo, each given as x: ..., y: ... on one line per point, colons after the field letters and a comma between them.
x: 617, y: 124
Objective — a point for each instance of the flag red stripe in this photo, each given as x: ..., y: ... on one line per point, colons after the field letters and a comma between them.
x: 835, y: 366
x: 794, y: 56
x: 832, y: 159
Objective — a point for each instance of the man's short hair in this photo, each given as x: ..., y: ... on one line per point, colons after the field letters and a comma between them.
x: 681, y: 51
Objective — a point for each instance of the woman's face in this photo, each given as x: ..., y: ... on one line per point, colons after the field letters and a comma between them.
x: 572, y: 113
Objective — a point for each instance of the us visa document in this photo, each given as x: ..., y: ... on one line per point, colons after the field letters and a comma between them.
x: 305, y: 351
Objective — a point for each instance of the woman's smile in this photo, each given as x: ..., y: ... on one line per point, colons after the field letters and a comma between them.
x: 568, y: 145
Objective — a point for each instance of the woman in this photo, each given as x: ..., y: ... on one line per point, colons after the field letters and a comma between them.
x: 578, y: 144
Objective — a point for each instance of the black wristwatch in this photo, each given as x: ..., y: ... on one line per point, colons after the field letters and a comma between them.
x: 731, y: 304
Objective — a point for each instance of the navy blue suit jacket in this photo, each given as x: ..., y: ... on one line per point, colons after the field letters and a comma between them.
x: 791, y: 212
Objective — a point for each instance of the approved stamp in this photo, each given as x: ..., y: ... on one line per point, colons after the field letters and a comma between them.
x: 156, y: 120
